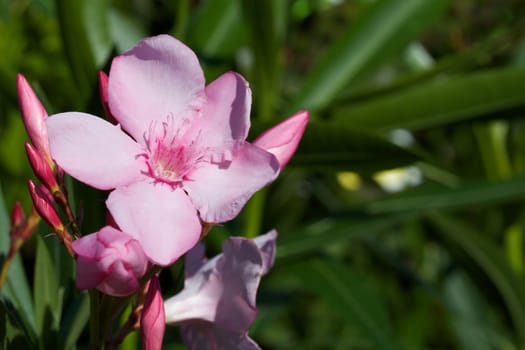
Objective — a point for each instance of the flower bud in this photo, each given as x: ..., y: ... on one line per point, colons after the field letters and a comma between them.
x: 41, y: 168
x: 109, y: 260
x: 17, y: 216
x: 152, y: 321
x: 43, y: 202
x: 282, y: 140
x: 34, y: 115
x: 103, y: 87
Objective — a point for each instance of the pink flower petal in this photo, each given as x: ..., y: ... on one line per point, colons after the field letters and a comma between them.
x: 266, y: 244
x: 93, y: 150
x: 158, y: 77
x: 226, y: 115
x: 206, y: 337
x: 219, y: 191
x: 282, y: 140
x: 162, y: 219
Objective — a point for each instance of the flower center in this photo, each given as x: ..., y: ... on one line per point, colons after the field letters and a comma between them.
x: 171, y: 154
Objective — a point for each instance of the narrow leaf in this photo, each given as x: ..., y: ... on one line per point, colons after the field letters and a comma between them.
x: 386, y: 28
x: 46, y: 295
x: 465, y: 195
x: 16, y: 288
x: 336, y: 147
x: 480, y: 94
x: 350, y: 296
x: 491, y: 261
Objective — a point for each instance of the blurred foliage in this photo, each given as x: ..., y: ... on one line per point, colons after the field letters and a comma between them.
x: 427, y: 256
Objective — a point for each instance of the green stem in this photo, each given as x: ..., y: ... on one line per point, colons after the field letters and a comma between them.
x: 5, y: 270
x: 254, y: 214
x: 94, y: 320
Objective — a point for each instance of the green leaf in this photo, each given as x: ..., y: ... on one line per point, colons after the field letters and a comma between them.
x: 84, y: 28
x: 335, y: 147
x: 47, y: 295
x: 466, y: 195
x: 331, y: 231
x: 349, y: 295
x: 16, y: 288
x: 12, y: 332
x: 75, y: 319
x: 480, y: 94
x: 261, y: 21
x: 376, y: 35
x: 217, y: 28
x: 491, y: 261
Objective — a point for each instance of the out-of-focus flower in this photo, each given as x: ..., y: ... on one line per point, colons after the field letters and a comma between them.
x: 282, y: 140
x: 33, y: 115
x: 152, y: 321
x: 217, y: 305
x: 111, y: 261
x: 181, y: 156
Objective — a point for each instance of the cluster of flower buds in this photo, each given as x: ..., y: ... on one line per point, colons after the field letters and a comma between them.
x: 51, y: 191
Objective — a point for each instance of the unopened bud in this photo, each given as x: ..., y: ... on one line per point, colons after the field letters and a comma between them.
x: 43, y: 202
x: 41, y: 168
x: 34, y: 115
x: 103, y: 87
x: 17, y: 215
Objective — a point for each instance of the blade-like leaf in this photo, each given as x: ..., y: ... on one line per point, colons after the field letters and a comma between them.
x: 262, y: 24
x: 439, y: 102
x: 386, y: 28
x: 216, y: 27
x: 74, y: 321
x: 468, y: 194
x: 16, y: 288
x: 85, y: 35
x: 46, y: 294
x: 350, y: 296
x: 336, y: 147
x: 491, y: 261
x: 330, y: 231
x: 12, y: 332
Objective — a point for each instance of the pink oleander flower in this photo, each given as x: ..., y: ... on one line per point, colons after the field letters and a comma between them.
x: 179, y: 156
x: 217, y: 305
x: 152, y: 321
x: 282, y: 140
x: 111, y: 261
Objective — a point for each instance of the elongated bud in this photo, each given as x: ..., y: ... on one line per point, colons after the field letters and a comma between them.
x: 282, y: 140
x: 17, y: 215
x: 33, y: 114
x: 41, y: 168
x: 152, y: 321
x: 43, y: 202
x: 103, y: 87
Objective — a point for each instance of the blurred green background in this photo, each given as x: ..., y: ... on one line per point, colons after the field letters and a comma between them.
x: 402, y: 215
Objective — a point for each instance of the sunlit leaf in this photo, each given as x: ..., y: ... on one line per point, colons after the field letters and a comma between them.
x: 386, y: 28
x: 486, y: 93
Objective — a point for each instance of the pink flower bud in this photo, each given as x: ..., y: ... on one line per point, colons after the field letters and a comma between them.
x: 103, y: 87
x: 152, y: 322
x: 111, y: 261
x: 17, y: 215
x: 282, y: 140
x: 41, y: 168
x: 33, y: 114
x: 43, y: 202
